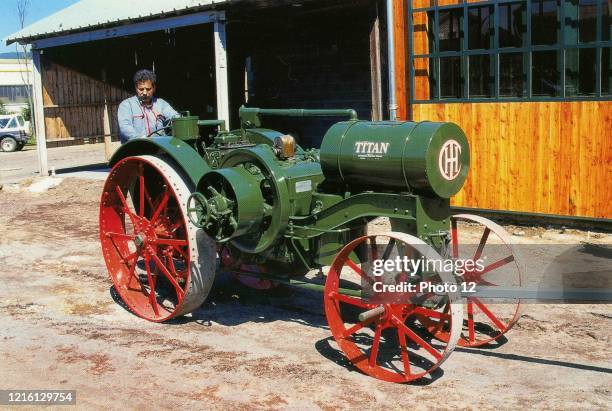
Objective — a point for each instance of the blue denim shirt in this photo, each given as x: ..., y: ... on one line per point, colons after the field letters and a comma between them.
x: 136, y: 120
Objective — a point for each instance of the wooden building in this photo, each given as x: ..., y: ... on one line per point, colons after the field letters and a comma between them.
x: 528, y: 80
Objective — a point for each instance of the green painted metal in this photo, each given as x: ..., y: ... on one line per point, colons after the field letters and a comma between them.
x: 307, y: 285
x: 250, y: 117
x: 396, y: 156
x: 235, y: 205
x: 185, y: 127
x: 219, y: 123
x: 296, y: 212
x: 262, y: 157
x: 183, y: 154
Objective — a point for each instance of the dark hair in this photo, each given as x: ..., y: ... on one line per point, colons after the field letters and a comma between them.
x: 144, y: 75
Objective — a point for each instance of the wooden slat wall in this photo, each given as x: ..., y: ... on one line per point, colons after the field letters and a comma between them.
x: 400, y: 23
x: 74, y: 104
x: 544, y: 157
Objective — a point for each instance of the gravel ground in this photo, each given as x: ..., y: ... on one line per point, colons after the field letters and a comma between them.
x: 61, y: 328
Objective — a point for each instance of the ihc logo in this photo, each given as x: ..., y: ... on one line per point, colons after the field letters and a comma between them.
x: 449, y: 160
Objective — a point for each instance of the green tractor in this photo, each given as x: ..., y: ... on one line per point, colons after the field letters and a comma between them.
x: 176, y: 210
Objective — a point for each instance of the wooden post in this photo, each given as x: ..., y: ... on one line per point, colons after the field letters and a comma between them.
x: 38, y: 115
x: 402, y: 69
x: 221, y: 69
x: 375, y: 68
x: 108, y: 150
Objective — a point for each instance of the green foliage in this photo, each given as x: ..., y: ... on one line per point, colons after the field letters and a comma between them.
x: 25, y: 112
x: 3, y: 109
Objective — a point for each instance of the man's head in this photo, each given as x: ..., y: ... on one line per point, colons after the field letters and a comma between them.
x: 144, y: 82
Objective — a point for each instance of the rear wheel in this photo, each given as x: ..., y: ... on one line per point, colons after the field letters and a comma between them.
x: 8, y: 144
x: 162, y: 266
x: 486, y: 320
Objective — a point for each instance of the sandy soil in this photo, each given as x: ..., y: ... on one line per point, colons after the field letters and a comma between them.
x: 61, y: 328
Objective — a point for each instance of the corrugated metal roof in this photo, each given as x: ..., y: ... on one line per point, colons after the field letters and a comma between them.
x: 89, y: 14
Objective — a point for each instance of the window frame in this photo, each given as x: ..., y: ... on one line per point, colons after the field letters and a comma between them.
x: 527, y: 49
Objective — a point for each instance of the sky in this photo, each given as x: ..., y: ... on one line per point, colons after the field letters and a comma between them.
x: 37, y: 9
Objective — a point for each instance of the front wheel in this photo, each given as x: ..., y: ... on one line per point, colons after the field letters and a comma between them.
x: 162, y: 266
x: 385, y: 335
x: 8, y: 144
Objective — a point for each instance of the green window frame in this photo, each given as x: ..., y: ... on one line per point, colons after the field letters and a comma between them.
x: 524, y: 50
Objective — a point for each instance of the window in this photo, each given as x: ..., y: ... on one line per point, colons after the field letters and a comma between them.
x: 580, y: 72
x: 13, y: 94
x: 512, y: 24
x: 13, y: 123
x: 511, y: 50
x: 450, y: 30
x: 480, y: 27
x: 3, y: 122
x: 606, y: 72
x: 512, y: 79
x: 544, y: 22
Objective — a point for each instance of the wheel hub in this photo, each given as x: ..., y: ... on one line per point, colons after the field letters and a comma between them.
x: 139, y: 240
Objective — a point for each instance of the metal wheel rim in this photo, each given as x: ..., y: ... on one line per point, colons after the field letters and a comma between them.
x: 175, y: 260
x: 472, y: 304
x: 344, y: 336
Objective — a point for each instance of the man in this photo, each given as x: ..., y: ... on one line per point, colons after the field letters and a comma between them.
x: 143, y: 114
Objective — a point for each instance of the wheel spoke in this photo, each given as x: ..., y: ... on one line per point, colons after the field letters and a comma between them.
x: 126, y: 208
x: 120, y: 236
x: 358, y: 270
x: 179, y: 291
x: 352, y: 330
x: 471, y: 330
x: 170, y: 241
x: 430, y: 313
x: 152, y: 299
x: 148, y: 197
x: 404, y: 352
x: 131, y: 275
x: 414, y: 337
x: 495, y: 265
x: 481, y: 245
x: 175, y: 227
x: 375, y: 344
x: 160, y: 206
x: 388, y: 249
x: 351, y: 300
x: 489, y: 314
x: 142, y: 194
x: 454, y: 238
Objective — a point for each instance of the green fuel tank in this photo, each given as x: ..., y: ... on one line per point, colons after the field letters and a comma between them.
x: 426, y: 158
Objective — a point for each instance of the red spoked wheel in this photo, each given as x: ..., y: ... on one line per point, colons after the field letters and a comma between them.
x: 162, y: 266
x: 381, y: 334
x: 486, y: 320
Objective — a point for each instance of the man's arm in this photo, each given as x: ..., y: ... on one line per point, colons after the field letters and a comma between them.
x: 167, y: 111
x: 124, y: 118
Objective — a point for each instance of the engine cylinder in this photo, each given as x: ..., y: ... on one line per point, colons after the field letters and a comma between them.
x: 426, y: 158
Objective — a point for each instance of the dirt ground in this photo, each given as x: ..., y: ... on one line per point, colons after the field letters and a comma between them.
x: 60, y: 328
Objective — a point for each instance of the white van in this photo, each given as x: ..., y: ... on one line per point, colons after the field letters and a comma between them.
x: 14, y: 132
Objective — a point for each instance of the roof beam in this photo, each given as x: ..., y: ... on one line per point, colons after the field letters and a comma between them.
x: 129, y: 29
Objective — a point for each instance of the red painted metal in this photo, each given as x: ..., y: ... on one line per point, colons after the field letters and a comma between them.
x: 145, y: 239
x: 494, y: 319
x: 385, y: 346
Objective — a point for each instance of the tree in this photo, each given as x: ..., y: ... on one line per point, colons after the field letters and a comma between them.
x: 22, y: 52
